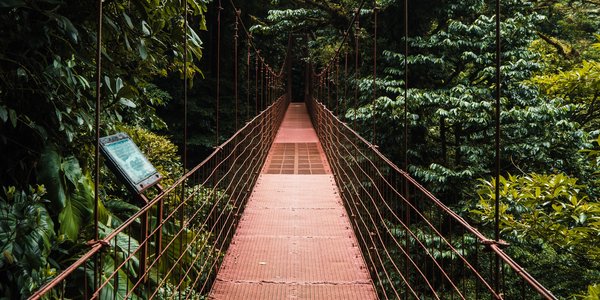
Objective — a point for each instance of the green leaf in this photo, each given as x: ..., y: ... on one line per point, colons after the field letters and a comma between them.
x: 78, y: 208
x: 69, y: 28
x: 145, y: 28
x: 12, y: 114
x: 70, y: 221
x: 128, y: 20
x: 12, y: 3
x: 118, y: 85
x: 72, y: 170
x: 43, y: 231
x: 3, y: 113
x: 21, y: 73
x: 557, y: 208
x: 48, y: 172
x: 107, y: 81
x: 582, y: 218
x: 127, y: 44
x: 128, y: 91
x: 127, y: 102
x: 142, y: 50
x: 117, y: 286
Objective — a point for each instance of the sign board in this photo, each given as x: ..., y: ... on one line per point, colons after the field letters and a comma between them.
x: 128, y: 162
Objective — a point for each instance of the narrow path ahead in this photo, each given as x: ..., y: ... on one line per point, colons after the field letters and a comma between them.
x: 294, y: 240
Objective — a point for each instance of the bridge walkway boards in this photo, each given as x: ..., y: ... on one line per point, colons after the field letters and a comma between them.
x: 294, y: 239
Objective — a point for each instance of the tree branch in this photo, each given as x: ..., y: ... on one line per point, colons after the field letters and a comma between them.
x: 565, y: 50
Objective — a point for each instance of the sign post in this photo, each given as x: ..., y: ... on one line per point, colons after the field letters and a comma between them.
x: 130, y: 165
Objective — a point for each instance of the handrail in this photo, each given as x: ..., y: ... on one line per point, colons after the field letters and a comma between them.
x: 385, y: 201
x: 198, y: 214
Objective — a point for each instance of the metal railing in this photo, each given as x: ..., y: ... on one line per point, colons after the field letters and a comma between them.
x: 414, y: 245
x: 173, y: 247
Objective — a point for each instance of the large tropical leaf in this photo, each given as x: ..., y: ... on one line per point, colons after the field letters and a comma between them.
x: 126, y: 246
x: 48, y: 171
x: 77, y: 209
x: 115, y: 287
x: 70, y: 191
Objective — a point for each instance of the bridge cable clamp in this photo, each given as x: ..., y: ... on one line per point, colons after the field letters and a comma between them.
x: 103, y: 243
x: 502, y: 244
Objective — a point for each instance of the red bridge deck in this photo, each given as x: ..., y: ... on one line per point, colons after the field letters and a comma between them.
x: 294, y: 240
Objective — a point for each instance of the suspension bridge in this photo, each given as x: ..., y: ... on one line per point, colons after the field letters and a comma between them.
x: 295, y: 205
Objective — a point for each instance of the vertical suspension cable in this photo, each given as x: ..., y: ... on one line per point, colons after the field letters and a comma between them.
x: 185, y: 85
x: 235, y: 66
x: 272, y: 87
x: 406, y: 85
x: 330, y: 87
x: 356, y: 65
x: 406, y: 184
x: 97, y: 116
x: 262, y: 84
x: 345, y: 104
x: 97, y: 133
x: 269, y: 86
x: 248, y: 80
x: 219, y: 8
x: 337, y: 86
x: 327, y: 88
x: 257, y: 54
x: 185, y: 109
x: 497, y: 144
x: 375, y: 10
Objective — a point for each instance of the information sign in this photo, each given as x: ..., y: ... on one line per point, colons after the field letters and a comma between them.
x: 126, y: 159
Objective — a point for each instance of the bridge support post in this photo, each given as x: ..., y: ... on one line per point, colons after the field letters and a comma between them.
x: 144, y: 240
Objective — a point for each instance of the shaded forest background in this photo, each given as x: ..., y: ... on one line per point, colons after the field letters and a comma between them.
x: 550, y: 113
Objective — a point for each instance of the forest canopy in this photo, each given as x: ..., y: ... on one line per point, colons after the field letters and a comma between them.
x: 550, y: 136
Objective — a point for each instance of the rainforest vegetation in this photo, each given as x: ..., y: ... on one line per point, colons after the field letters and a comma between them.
x: 550, y: 161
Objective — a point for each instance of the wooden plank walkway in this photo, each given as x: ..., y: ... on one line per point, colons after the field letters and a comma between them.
x: 294, y: 240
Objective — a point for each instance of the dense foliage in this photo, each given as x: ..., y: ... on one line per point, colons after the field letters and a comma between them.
x: 47, y: 99
x: 550, y: 112
x: 551, y: 222
x: 549, y: 117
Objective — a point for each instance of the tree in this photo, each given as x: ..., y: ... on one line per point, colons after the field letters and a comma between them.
x: 46, y: 89
x: 579, y: 86
x: 47, y: 97
x: 552, y: 223
x: 451, y: 96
